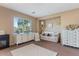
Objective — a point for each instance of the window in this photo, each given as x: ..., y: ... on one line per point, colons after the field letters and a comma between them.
x: 22, y: 25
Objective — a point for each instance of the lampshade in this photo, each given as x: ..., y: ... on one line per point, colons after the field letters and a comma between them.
x: 42, y: 23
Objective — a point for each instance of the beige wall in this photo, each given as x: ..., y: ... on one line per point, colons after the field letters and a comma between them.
x: 6, y: 21
x: 67, y: 17
x: 71, y: 17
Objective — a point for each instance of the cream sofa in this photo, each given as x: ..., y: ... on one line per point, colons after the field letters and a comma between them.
x: 50, y: 36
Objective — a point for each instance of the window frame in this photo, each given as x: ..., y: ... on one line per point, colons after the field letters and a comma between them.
x: 28, y: 19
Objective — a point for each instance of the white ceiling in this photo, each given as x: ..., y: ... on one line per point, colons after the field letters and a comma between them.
x: 40, y: 9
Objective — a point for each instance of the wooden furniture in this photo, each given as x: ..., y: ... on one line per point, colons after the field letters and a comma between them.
x: 21, y: 38
x: 4, y: 41
x: 70, y: 37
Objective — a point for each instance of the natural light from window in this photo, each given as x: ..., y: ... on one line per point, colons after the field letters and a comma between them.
x: 22, y: 25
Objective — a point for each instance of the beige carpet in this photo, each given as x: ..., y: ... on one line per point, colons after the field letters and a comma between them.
x: 33, y: 50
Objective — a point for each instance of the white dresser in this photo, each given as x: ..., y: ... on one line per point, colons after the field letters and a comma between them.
x: 21, y: 38
x: 70, y: 37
